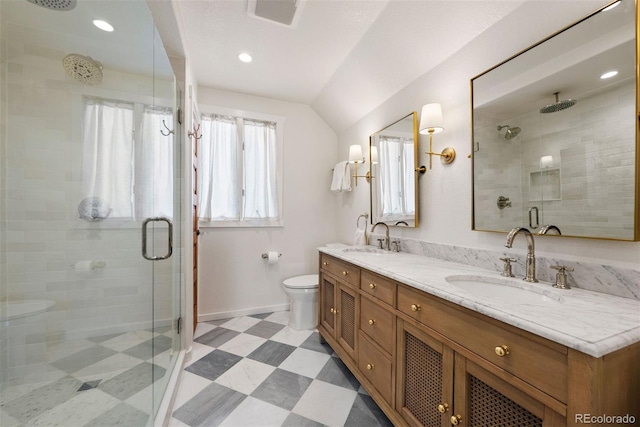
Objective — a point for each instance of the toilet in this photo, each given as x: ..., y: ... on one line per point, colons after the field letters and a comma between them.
x: 303, y: 294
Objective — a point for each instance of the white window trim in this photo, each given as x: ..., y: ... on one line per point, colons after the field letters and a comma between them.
x: 279, y: 120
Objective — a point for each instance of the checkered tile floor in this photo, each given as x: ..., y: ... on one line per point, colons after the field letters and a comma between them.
x: 257, y: 371
x: 102, y: 381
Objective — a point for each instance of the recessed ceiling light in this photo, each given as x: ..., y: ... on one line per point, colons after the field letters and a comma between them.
x: 609, y: 74
x: 245, y: 57
x: 611, y: 6
x: 103, y: 25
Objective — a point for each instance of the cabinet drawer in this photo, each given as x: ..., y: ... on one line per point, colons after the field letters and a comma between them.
x: 378, y: 286
x: 541, y: 363
x: 377, y: 322
x: 345, y: 271
x: 375, y: 366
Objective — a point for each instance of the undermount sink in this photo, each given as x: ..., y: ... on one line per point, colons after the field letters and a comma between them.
x: 506, y: 289
x: 366, y: 249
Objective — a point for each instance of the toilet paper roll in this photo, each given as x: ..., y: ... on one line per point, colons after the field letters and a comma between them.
x: 272, y: 257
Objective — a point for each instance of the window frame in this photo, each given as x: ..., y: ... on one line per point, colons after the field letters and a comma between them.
x: 249, y: 115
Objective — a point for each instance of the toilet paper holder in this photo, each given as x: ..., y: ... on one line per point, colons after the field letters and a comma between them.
x: 265, y: 255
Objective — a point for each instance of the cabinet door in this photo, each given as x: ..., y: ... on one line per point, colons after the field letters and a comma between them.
x: 483, y: 399
x: 347, y: 319
x: 425, y: 378
x: 328, y: 307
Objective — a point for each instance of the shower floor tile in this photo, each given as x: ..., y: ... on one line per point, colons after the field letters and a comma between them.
x: 103, y: 381
x: 290, y: 380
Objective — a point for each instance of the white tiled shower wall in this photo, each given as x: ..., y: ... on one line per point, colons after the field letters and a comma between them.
x: 44, y: 237
x: 595, y: 157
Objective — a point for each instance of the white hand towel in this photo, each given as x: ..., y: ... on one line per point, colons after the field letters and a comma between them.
x: 338, y: 174
x: 346, y: 178
x: 360, y: 238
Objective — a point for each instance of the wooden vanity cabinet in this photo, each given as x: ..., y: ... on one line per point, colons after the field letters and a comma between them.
x: 429, y: 362
x: 339, y: 308
x: 437, y: 386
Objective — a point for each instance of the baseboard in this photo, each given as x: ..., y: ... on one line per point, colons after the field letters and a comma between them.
x: 244, y: 312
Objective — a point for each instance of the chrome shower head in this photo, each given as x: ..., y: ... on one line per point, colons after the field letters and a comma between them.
x: 82, y: 68
x: 55, y: 4
x: 511, y: 133
x: 558, y: 105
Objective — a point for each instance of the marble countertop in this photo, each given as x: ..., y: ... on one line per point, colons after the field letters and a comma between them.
x: 590, y: 322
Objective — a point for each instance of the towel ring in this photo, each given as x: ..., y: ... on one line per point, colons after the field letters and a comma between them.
x: 365, y: 216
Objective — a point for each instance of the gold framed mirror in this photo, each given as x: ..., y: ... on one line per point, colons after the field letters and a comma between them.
x: 554, y: 141
x: 393, y: 156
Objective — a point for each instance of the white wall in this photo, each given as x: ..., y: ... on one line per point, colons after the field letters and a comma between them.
x: 233, y: 278
x: 445, y: 191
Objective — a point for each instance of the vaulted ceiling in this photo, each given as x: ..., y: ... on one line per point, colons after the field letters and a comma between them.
x: 344, y: 57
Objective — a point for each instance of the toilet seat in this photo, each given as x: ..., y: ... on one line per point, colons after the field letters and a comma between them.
x: 309, y: 281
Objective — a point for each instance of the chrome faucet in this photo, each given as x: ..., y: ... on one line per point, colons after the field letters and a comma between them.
x: 547, y: 228
x: 387, y: 232
x: 531, y: 258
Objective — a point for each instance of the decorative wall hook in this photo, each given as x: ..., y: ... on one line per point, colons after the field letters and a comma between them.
x: 194, y: 134
x: 169, y: 131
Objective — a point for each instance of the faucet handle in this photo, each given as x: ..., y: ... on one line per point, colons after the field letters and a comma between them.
x: 507, y: 266
x: 395, y: 245
x: 561, y: 276
x: 380, y: 243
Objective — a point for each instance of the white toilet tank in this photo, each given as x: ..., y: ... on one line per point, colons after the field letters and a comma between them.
x: 303, y: 294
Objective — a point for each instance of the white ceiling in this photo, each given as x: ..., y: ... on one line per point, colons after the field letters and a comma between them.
x: 340, y: 51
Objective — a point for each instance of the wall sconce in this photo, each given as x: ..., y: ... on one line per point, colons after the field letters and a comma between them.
x: 430, y: 123
x: 356, y: 157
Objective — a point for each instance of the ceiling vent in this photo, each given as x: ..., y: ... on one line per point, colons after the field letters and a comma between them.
x: 282, y: 12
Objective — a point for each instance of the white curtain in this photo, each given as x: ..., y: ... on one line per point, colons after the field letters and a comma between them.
x: 396, y: 171
x: 390, y: 171
x: 154, y: 176
x: 219, y: 184
x: 108, y: 155
x: 260, y: 197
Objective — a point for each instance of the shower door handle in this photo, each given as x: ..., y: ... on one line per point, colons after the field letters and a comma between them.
x: 531, y: 210
x: 144, y: 238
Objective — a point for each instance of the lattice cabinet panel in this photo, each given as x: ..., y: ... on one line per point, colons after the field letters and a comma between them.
x: 347, y: 315
x: 423, y: 381
x: 328, y: 303
x: 490, y: 408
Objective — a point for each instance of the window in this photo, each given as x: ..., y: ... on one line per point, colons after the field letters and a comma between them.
x: 128, y: 167
x: 238, y: 161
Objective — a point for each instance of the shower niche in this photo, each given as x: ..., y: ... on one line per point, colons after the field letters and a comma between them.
x: 559, y: 138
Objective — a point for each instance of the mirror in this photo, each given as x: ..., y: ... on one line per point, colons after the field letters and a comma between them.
x: 393, y: 154
x: 554, y: 143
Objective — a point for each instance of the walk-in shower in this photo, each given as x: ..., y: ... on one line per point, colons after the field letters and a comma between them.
x: 88, y: 326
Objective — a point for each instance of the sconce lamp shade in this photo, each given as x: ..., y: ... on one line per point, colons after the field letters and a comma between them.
x: 374, y: 155
x: 431, y: 119
x: 355, y: 154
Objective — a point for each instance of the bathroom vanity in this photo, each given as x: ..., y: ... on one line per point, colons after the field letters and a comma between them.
x: 433, y: 353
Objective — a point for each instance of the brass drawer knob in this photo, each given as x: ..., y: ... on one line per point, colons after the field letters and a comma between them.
x: 443, y: 407
x: 344, y: 273
x: 372, y: 322
x: 415, y: 307
x: 502, y: 350
x: 325, y: 263
x: 372, y: 285
x: 456, y: 420
x: 370, y: 366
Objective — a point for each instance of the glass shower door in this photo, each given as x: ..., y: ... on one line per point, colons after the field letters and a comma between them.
x: 88, y: 326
